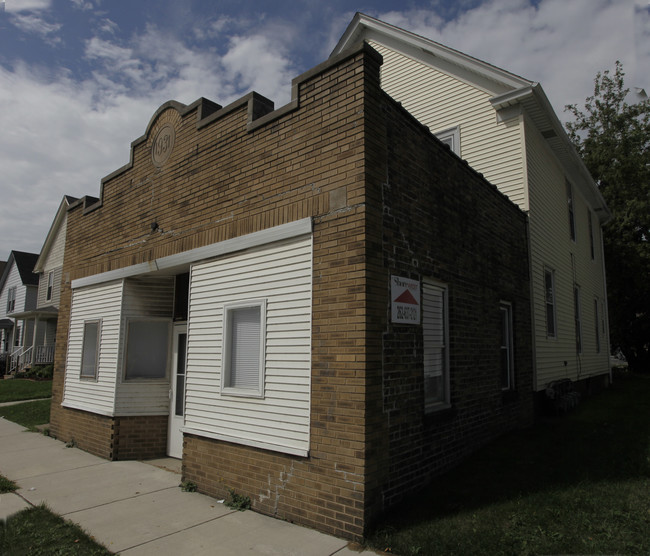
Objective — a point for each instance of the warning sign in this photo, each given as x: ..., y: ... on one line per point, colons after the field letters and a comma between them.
x: 405, y: 300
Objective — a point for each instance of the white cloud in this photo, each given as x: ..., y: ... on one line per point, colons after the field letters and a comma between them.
x: 560, y: 44
x: 15, y: 6
x: 38, y: 26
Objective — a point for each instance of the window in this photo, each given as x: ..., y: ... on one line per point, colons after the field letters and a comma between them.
x: 11, y: 299
x: 572, y: 223
x: 597, y: 325
x: 90, y: 349
x: 147, y: 349
x: 451, y: 137
x: 549, y: 291
x: 591, y: 234
x: 435, y: 331
x: 578, y: 322
x: 507, y: 344
x: 50, y: 286
x: 244, y: 340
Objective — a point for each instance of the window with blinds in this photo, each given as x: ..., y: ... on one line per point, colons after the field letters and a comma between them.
x: 244, y: 331
x: 90, y: 349
x: 435, y: 336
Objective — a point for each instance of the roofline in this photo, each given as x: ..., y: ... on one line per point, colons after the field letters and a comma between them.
x: 363, y: 24
x: 49, y: 238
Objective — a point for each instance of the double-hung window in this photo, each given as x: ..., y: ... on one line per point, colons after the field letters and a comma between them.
x: 435, y: 330
x: 50, y: 286
x: 549, y: 293
x: 597, y: 324
x: 572, y: 221
x: 578, y: 320
x: 507, y: 347
x: 90, y: 349
x: 591, y: 235
x: 11, y: 299
x: 244, y: 331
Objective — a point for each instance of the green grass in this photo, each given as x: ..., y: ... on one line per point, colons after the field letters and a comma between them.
x: 18, y: 389
x: 28, y: 414
x: 7, y: 486
x: 575, y: 485
x: 39, y: 532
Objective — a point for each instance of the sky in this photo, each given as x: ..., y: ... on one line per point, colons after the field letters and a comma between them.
x: 80, y: 79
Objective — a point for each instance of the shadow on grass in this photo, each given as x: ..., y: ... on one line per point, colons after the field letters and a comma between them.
x: 606, y: 439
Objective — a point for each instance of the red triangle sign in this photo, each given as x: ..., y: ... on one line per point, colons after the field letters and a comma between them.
x: 406, y: 297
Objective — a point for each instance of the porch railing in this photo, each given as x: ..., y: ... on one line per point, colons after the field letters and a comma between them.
x: 43, y: 355
x: 20, y: 359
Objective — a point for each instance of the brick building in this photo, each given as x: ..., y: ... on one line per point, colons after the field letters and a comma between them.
x: 336, y: 305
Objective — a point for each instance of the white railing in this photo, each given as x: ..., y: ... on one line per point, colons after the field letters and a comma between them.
x: 20, y: 359
x: 43, y: 355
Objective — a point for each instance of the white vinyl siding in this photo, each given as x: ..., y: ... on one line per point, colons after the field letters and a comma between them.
x: 20, y: 293
x: 440, y: 102
x: 94, y: 303
x: 551, y: 247
x: 53, y: 263
x: 280, y: 274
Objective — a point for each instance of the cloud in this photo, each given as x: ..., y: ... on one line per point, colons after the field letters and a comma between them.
x: 15, y: 6
x: 38, y: 26
x: 560, y: 44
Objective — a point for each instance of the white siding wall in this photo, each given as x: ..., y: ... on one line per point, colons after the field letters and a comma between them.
x: 281, y: 274
x: 441, y: 101
x: 54, y: 262
x: 552, y: 247
x: 90, y: 303
x: 144, y: 297
x: 13, y: 280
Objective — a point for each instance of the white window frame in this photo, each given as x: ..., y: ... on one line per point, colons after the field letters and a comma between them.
x: 552, y: 303
x: 577, y: 317
x: 226, y: 366
x: 597, y: 324
x: 591, y: 235
x: 95, y: 374
x: 165, y: 377
x: 431, y: 406
x: 50, y: 286
x: 450, y: 137
x: 11, y: 299
x: 509, y: 345
x: 571, y: 209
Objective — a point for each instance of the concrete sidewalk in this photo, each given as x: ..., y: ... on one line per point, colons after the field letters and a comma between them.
x: 137, y: 508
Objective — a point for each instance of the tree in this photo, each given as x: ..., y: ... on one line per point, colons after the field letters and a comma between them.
x: 613, y: 138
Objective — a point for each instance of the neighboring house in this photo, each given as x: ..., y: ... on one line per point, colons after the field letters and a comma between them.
x: 319, y: 306
x: 39, y: 340
x: 18, y: 290
x: 505, y: 128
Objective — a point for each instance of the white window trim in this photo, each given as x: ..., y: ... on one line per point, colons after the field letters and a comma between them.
x: 573, y: 232
x: 11, y: 299
x: 95, y: 376
x: 50, y: 286
x: 510, y: 346
x: 552, y: 273
x: 578, y: 318
x: 163, y: 379
x: 446, y: 403
x: 597, y: 323
x: 453, y: 134
x: 226, y: 350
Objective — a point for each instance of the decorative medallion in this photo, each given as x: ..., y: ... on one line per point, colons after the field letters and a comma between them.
x: 163, y: 144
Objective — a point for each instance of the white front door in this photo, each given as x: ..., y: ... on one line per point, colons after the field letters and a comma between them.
x: 177, y: 392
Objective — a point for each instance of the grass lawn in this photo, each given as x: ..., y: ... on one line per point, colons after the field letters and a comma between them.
x: 28, y: 414
x: 19, y: 389
x: 39, y: 532
x: 573, y: 485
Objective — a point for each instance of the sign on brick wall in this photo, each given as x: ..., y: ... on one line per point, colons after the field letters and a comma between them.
x: 405, y: 300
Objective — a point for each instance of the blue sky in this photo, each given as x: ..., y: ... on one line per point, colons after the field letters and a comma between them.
x: 80, y: 79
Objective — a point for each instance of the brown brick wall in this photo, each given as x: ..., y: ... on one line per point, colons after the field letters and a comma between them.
x: 140, y: 437
x: 384, y: 196
x: 440, y: 219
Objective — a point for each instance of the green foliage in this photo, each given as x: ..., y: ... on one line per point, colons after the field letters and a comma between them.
x: 16, y: 390
x: 6, y: 486
x: 238, y: 501
x: 39, y: 532
x: 573, y: 485
x: 188, y: 486
x: 613, y: 138
x: 28, y: 414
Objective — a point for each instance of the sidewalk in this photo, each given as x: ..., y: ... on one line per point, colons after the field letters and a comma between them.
x: 137, y: 508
